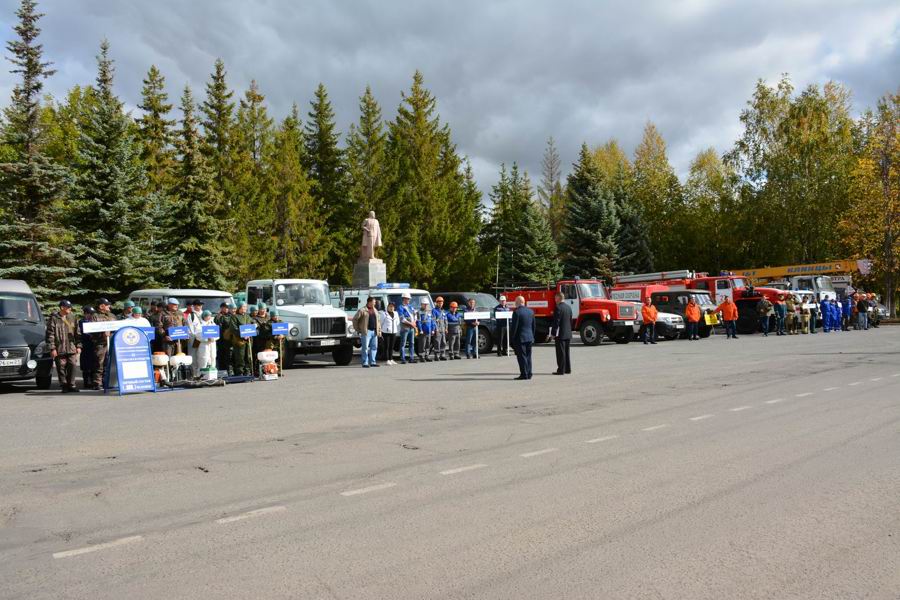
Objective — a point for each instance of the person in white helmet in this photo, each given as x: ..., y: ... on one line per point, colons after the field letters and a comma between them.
x: 424, y: 330
x: 407, y: 330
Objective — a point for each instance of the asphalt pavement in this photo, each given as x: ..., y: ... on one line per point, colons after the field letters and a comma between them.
x: 720, y: 469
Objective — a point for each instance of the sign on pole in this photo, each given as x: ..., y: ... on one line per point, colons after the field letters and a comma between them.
x: 179, y: 333
x: 209, y: 332
x: 248, y: 330
x: 503, y: 315
x: 280, y: 328
x: 476, y: 316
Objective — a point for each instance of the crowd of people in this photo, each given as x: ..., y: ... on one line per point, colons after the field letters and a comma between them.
x: 423, y: 334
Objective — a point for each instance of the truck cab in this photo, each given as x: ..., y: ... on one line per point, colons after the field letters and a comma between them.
x: 315, y: 326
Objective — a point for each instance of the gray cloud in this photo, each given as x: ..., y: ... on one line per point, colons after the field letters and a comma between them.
x: 506, y: 74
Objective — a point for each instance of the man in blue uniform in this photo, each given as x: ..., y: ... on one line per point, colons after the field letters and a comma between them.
x: 825, y: 311
x: 407, y: 330
x: 846, y: 312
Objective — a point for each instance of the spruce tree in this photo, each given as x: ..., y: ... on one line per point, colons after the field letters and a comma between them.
x: 368, y: 167
x: 33, y: 245
x: 300, y: 245
x: 326, y: 165
x: 538, y: 253
x: 199, y: 242
x: 155, y: 131
x: 550, y: 191
x: 633, y: 240
x: 218, y: 120
x: 589, y: 239
x: 118, y: 241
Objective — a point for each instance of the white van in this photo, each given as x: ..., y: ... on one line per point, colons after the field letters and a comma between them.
x: 212, y: 299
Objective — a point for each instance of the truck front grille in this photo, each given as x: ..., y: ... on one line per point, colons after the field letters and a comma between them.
x: 328, y: 326
x: 626, y: 311
x: 12, y: 353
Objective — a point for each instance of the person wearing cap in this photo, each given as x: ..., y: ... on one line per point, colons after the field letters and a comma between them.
x: 64, y: 345
x: 276, y: 342
x: 425, y: 328
x: 101, y: 341
x: 153, y: 314
x: 454, y: 330
x: 206, y: 354
x: 439, y: 337
x: 170, y: 317
x: 471, y: 332
x: 241, y: 361
x: 407, y: 330
x: 263, y: 339
x: 502, y: 327
x: 223, y: 344
x: 87, y: 362
x: 128, y: 309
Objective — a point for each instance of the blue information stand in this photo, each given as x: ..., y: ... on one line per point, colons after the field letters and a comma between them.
x: 129, y: 365
x: 210, y: 332
x: 179, y: 333
x: 280, y: 328
x: 247, y: 331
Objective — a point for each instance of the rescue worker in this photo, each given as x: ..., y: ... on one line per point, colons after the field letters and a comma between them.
x: 241, y: 361
x: 790, y: 307
x: 276, y: 342
x: 425, y: 326
x: 836, y: 317
x: 439, y: 338
x: 472, y: 332
x: 804, y: 315
x: 728, y: 310
x: 764, y: 310
x: 874, y: 317
x: 88, y: 363
x: 206, y: 354
x: 454, y: 331
x: 101, y: 341
x: 263, y: 339
x: 223, y: 344
x: 194, y: 321
x: 128, y: 309
x: 649, y: 315
x: 62, y: 337
x: 813, y: 313
x: 170, y: 317
x: 827, y: 315
x: 502, y: 327
x: 153, y: 318
x: 780, y: 314
x: 846, y: 312
x: 407, y: 330
x: 692, y: 316
x: 137, y: 313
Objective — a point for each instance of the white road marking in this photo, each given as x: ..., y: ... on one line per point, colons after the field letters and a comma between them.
x: 831, y: 389
x: 855, y: 383
x: 605, y: 438
x: 775, y: 401
x: 803, y: 395
x: 896, y: 375
x: 876, y: 379
x: 538, y: 452
x: 250, y: 514
x: 655, y: 427
x: 366, y: 490
x: 740, y: 408
x: 86, y: 549
x: 463, y: 469
x: 700, y: 418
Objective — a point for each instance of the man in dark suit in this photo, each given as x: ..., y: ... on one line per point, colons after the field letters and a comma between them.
x: 561, y: 330
x: 521, y: 336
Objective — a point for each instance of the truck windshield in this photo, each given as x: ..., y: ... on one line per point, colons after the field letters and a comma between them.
x: 703, y: 300
x: 592, y: 290
x: 739, y: 282
x: 292, y: 294
x: 824, y: 284
x: 17, y: 307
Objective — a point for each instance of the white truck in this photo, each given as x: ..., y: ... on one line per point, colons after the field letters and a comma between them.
x: 820, y: 287
x: 316, y: 327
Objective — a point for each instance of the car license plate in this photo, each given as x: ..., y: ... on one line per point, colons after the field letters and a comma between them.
x: 329, y: 342
x: 629, y: 323
x: 679, y: 327
x: 11, y: 362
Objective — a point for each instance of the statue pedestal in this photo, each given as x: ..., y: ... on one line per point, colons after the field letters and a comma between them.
x: 369, y: 274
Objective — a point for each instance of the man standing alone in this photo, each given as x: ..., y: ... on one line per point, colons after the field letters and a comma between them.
x: 561, y: 330
x: 521, y: 336
x: 64, y: 345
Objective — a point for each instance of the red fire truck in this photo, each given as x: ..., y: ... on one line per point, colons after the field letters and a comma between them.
x: 719, y: 286
x: 594, y: 314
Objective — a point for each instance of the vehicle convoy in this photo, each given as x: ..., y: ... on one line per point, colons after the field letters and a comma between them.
x: 315, y: 326
x: 594, y: 313
x: 744, y: 295
x: 23, y: 353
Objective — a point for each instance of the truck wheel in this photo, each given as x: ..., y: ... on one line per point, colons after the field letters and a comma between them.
x: 289, y: 356
x: 485, y: 341
x: 623, y: 337
x: 43, y: 382
x: 590, y: 332
x: 342, y: 355
x: 747, y: 322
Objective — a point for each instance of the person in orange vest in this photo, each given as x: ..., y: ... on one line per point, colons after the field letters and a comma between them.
x: 649, y: 314
x: 692, y: 314
x: 729, y: 312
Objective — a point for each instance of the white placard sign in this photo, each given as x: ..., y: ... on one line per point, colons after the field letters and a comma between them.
x: 538, y: 303
x: 475, y: 316
x: 101, y: 326
x: 503, y: 315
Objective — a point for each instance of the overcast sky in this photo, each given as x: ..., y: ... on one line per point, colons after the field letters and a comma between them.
x: 507, y: 74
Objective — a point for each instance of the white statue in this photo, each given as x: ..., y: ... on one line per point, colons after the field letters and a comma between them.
x: 371, y: 238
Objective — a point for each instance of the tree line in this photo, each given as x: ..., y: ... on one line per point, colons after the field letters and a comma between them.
x: 94, y: 200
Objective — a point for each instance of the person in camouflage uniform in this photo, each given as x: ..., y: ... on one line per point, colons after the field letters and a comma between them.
x: 170, y: 317
x: 223, y: 344
x: 241, y: 360
x: 64, y: 343
x: 88, y: 362
x: 101, y: 340
x: 153, y: 315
